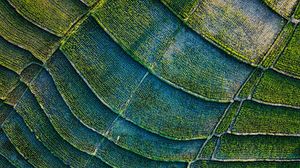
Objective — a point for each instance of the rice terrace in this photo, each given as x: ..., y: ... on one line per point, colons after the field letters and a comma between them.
x: 150, y: 83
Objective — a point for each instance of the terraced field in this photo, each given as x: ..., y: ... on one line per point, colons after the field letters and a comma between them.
x: 149, y: 83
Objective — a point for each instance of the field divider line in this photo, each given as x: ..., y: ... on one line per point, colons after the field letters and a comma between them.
x: 125, y: 105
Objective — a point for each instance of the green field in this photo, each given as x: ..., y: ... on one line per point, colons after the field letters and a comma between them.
x: 150, y: 83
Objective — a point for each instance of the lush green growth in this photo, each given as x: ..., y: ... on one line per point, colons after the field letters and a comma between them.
x: 269, y: 164
x: 5, y: 163
x: 116, y: 74
x: 13, y: 57
x: 97, y: 116
x: 52, y: 15
x: 90, y: 3
x: 82, y: 102
x: 289, y: 61
x: 278, y: 89
x: 34, y: 39
x: 173, y: 113
x: 149, y: 83
x: 64, y: 122
x: 229, y: 115
x: 13, y: 96
x: 233, y: 147
x: 5, y: 111
x: 279, y: 45
x: 30, y: 72
x: 249, y: 86
x: 118, y: 157
x: 8, y: 81
x: 103, y: 64
x: 258, y: 118
x: 297, y: 12
x: 150, y: 145
x: 208, y: 149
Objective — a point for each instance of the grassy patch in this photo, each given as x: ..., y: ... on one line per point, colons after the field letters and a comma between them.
x: 34, y: 39
x: 289, y: 61
x: 89, y: 2
x: 13, y: 97
x: 258, y: 147
x: 278, y: 88
x: 209, y: 148
x: 53, y: 15
x: 64, y: 122
x: 225, y: 123
x: 216, y: 164
x: 30, y: 72
x: 5, y: 163
x: 181, y: 8
x: 13, y: 57
x: 259, y: 118
x: 83, y: 103
x: 8, y: 81
x: 250, y: 85
x: 279, y: 45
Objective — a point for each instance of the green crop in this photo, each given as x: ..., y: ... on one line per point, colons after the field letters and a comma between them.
x: 149, y: 83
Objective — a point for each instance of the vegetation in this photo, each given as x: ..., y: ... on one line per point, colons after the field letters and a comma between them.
x: 149, y: 83
x: 258, y: 147
x: 170, y: 50
x: 289, y: 61
x: 278, y: 89
x: 258, y: 118
x: 283, y: 7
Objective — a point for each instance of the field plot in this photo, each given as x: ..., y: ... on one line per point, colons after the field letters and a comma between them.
x: 121, y: 77
x: 229, y: 116
x: 279, y: 45
x: 245, y: 29
x: 289, y: 61
x: 283, y: 7
x: 25, y: 142
x: 149, y: 83
x: 8, y: 81
x: 51, y: 15
x: 60, y: 115
x: 170, y: 50
x: 278, y: 89
x: 233, y: 147
x: 34, y: 39
x: 216, y: 164
x: 257, y: 118
x: 10, y: 152
x: 38, y: 122
x: 14, y: 57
